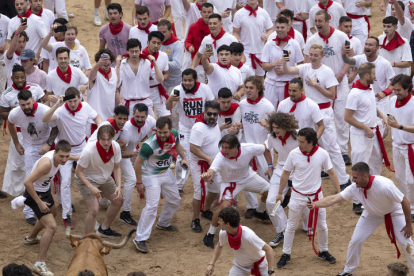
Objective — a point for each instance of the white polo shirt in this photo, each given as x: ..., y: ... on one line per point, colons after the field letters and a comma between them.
x: 136, y: 86
x: 404, y: 116
x: 35, y: 30
x: 298, y: 37
x: 56, y: 85
x: 43, y: 183
x: 141, y: 35
x: 4, y: 24
x: 226, y: 39
x: 402, y: 53
x: 162, y: 63
x: 78, y: 58
x: 9, y: 99
x: 282, y: 150
x: 47, y: 17
x: 335, y: 11
x: 95, y: 169
x: 133, y: 137
x: 307, y: 112
x: 206, y: 138
x: 223, y: 77
x: 365, y: 110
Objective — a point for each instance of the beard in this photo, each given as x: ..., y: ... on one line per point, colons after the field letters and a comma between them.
x: 28, y: 112
x: 211, y: 122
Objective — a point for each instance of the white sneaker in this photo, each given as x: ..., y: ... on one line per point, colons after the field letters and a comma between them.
x: 42, y: 269
x: 33, y: 241
x: 106, y: 15
x: 97, y: 20
x: 71, y: 15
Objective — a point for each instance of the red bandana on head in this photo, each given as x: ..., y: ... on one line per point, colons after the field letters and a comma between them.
x: 235, y: 242
x: 25, y: 87
x: 66, y: 77
x: 200, y: 118
x: 220, y: 35
x: 113, y: 124
x: 145, y: 53
x: 359, y: 85
x: 238, y: 154
x: 146, y: 29
x: 291, y: 33
x: 399, y: 104
x: 224, y: 66
x: 27, y: 14
x: 105, y: 155
x: 135, y: 124
x: 40, y: 13
x: 394, y: 43
x: 330, y: 2
x: 116, y: 29
x: 250, y: 9
x: 105, y: 74
x: 326, y: 38
x: 371, y: 179
x: 314, y: 149
x: 35, y: 105
x: 279, y: 40
x: 255, y: 101
x: 171, y: 40
x: 302, y: 98
x: 73, y: 111
x: 232, y: 109
x: 168, y: 146
x: 287, y: 135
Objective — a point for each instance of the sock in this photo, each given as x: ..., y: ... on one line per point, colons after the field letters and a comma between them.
x: 39, y: 263
x: 262, y: 207
x: 97, y: 11
x: 212, y: 229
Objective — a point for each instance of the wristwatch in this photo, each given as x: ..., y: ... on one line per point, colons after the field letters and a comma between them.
x: 401, y: 127
x: 49, y: 143
x: 270, y: 272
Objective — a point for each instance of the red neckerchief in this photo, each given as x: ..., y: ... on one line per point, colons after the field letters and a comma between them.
x: 171, y: 40
x: 66, y: 77
x: 330, y: 2
x: 170, y: 141
x: 198, y: 6
x: 25, y: 87
x: 232, y: 109
x: 325, y: 38
x: 200, y: 118
x: 40, y: 13
x: 105, y: 74
x: 59, y: 40
x: 27, y: 14
x: 105, y: 155
x: 350, y: 36
x: 195, y: 89
x: 35, y: 105
x: 113, y: 124
x: 146, y: 30
x: 73, y: 111
x: 302, y: 98
x: 255, y: 101
x: 238, y: 155
x: 135, y: 124
x: 399, y: 104
x: 220, y: 35
x: 17, y: 53
x: 235, y: 242
x: 287, y: 135
x: 314, y: 149
x: 145, y: 55
x: 359, y: 85
x: 278, y: 40
x: 240, y: 65
x: 117, y: 28
x: 224, y: 66
x: 250, y: 9
x: 291, y: 33
x: 394, y: 43
x: 371, y: 179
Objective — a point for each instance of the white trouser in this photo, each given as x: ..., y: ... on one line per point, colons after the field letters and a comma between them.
x: 186, y: 61
x: 175, y: 116
x: 254, y: 184
x: 274, y: 91
x: 403, y: 173
x: 128, y: 172
x: 259, y: 70
x: 31, y: 155
x: 178, y: 13
x: 3, y: 74
x: 328, y: 141
x: 251, y: 198
x: 201, y: 75
x: 280, y: 219
x: 148, y: 102
x: 212, y: 187
x: 297, y: 205
x: 59, y: 6
x: 15, y: 172
x: 159, y: 103
x: 238, y: 270
x: 365, y: 227
x: 360, y: 29
x: 342, y: 127
x: 164, y: 184
x: 298, y: 26
x: 184, y: 141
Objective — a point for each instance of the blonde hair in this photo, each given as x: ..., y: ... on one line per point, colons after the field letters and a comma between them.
x: 73, y: 27
x: 317, y: 47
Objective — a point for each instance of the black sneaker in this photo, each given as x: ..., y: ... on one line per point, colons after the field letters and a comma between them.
x: 126, y: 218
x: 209, y: 240
x: 343, y: 273
x: 140, y: 246
x: 358, y: 209
x: 107, y: 233
x: 262, y: 216
x: 343, y: 186
x: 2, y: 194
x: 31, y: 221
x: 326, y: 257
x: 207, y: 214
x: 347, y: 160
x: 286, y: 201
x: 195, y: 225
x: 324, y: 175
x: 277, y: 240
x: 168, y: 228
x: 283, y: 261
x: 73, y: 208
x: 249, y: 213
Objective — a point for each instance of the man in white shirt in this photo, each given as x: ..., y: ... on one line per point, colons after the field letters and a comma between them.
x: 334, y: 10
x: 306, y: 161
x: 300, y: 22
x: 71, y: 119
x: 33, y: 73
x: 4, y: 24
x: 346, y: 26
x: 236, y: 60
x: 16, y: 46
x: 383, y: 202
x: 405, y: 27
x: 229, y: 119
x: 227, y: 10
x: 360, y: 23
x: 46, y: 15
x: 144, y: 27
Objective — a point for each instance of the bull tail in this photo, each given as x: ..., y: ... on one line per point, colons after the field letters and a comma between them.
x: 122, y: 243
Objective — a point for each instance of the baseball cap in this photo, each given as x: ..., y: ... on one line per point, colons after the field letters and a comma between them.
x: 26, y: 54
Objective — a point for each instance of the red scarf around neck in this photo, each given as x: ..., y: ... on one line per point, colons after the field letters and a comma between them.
x: 230, y: 112
x: 200, y: 119
x: 105, y: 155
x: 330, y: 2
x: 35, y: 105
x: 301, y: 99
x: 283, y: 140
x: 198, y: 6
x: 224, y: 66
x: 195, y: 89
x: 394, y: 43
x: 255, y: 101
x: 66, y: 77
x: 314, y: 149
x: 105, y: 74
x: 113, y: 124
x: 27, y: 14
x: 240, y: 65
x: 238, y: 154
x: 371, y: 179
x: 17, y: 53
x: 251, y: 10
x: 146, y: 29
x: 40, y: 13
x: 220, y: 35
x: 359, y: 85
x: 170, y: 143
x: 235, y: 242
x: 279, y: 40
x: 291, y: 33
x: 135, y: 124
x: 117, y: 28
x: 326, y: 38
x: 171, y: 40
x: 73, y: 111
x: 145, y: 53
x: 399, y: 104
x: 350, y: 36
x: 25, y: 87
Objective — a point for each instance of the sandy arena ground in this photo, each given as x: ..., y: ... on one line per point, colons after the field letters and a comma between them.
x: 183, y: 253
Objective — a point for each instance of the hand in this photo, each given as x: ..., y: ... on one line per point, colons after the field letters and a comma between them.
x: 393, y: 122
x: 60, y: 101
x: 21, y: 28
x: 141, y: 189
x: 385, y: 122
x: 279, y: 71
x: 96, y: 193
x: 312, y: 82
x: 368, y: 132
x: 174, y: 97
x: 351, y: 78
x: 210, y: 270
x: 191, y: 49
x: 53, y: 98
x: 19, y: 148
x: 299, y: 15
x: 74, y: 157
x: 134, y: 22
x: 119, y: 60
x: 233, y: 130
x: 339, y: 78
x: 264, y: 123
x: 45, y: 148
x: 264, y: 37
x: 279, y: 62
x: 239, y: 6
x: 346, y: 50
x: 279, y: 197
x: 207, y: 54
x: 206, y: 177
x: 82, y: 89
x: 408, y: 231
x: 43, y: 207
x: 238, y: 125
x: 151, y: 58
x: 310, y: 205
x: 226, y: 125
x: 380, y: 95
x: 382, y: 8
x: 359, y: 4
x: 286, y: 59
x: 103, y: 61
x: 118, y: 192
x: 121, y: 143
x: 225, y: 14
x: 185, y: 162
x: 237, y: 97
x: 269, y: 173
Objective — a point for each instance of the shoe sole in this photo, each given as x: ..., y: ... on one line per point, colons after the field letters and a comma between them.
x: 106, y: 236
x: 324, y: 177
x: 121, y: 220
x: 358, y: 212
x: 275, y: 244
x: 139, y: 249
x: 331, y: 262
x: 35, y: 241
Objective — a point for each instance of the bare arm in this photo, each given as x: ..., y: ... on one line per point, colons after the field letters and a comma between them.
x: 329, y: 201
x: 216, y: 254
x: 198, y: 152
x: 45, y: 42
x: 158, y: 74
x: 166, y: 75
x: 283, y: 182
x: 350, y: 119
x: 334, y: 179
x: 279, y: 5
x: 399, y: 13
x: 134, y: 11
x: 167, y: 12
x: 46, y: 65
x: 236, y: 33
x: 117, y: 174
x: 402, y: 64
x: 102, y: 44
x: 321, y: 129
x: 49, y: 116
x: 407, y: 214
x: 348, y: 60
x: 13, y: 134
x: 14, y: 41
x: 196, y: 60
x: 98, y: 120
x: 4, y: 113
x: 208, y: 67
x: 269, y: 256
x: 172, y: 100
x: 290, y: 70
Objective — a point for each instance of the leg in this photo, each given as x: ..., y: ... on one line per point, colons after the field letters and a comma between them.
x: 97, y: 4
x: 14, y: 173
x: 3, y: 74
x: 116, y: 203
x: 172, y: 199
x: 49, y: 223
x: 342, y: 127
x: 179, y: 174
x: 128, y: 173
x: 279, y: 220
x: 213, y: 191
x: 294, y: 216
x: 251, y: 200
x: 93, y: 210
x: 238, y: 270
x: 61, y: 9
x: 399, y: 223
x: 65, y: 189
x: 322, y: 230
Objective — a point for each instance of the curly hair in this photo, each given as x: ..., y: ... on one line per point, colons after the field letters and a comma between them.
x: 285, y: 121
x: 257, y: 83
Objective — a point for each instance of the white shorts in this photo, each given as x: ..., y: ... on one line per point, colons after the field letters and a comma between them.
x: 159, y: 103
x: 213, y: 187
x: 255, y: 184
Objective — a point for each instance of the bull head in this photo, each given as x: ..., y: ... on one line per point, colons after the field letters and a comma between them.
x: 99, y: 243
x: 75, y: 239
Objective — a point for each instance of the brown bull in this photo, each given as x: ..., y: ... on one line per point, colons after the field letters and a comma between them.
x: 89, y: 252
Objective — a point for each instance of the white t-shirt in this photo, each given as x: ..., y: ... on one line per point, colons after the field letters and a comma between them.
x: 78, y: 58
x: 235, y: 118
x: 34, y: 131
x: 246, y: 71
x: 282, y: 150
x: 141, y: 35
x: 9, y: 99
x: 404, y: 116
x: 306, y: 175
x: 238, y: 169
x: 223, y: 77
x: 43, y: 183
x: 56, y: 85
x: 162, y: 63
x: 356, y: 45
x: 226, y: 39
x: 307, y: 112
x: 221, y: 6
x: 335, y: 11
x: 94, y: 136
x: 133, y: 135
x: 382, y: 198
x: 136, y: 86
x: 47, y: 17
x: 298, y: 37
x: 9, y: 63
x: 404, y: 30
x: 95, y: 169
x: 251, y: 28
x: 365, y: 110
x: 250, y: 250
x: 206, y: 138
x: 294, y: 5
x: 402, y: 53
x: 4, y: 24
x: 44, y: 54
x: 35, y: 30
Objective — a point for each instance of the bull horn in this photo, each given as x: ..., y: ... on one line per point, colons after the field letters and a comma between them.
x: 122, y: 243
x: 68, y: 234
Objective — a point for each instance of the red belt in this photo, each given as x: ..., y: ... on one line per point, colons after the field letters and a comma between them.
x: 255, y: 270
x: 161, y: 90
x: 230, y: 189
x: 355, y: 16
x: 130, y: 100
x: 411, y: 157
x: 390, y: 231
x: 204, y: 168
x: 304, y: 27
x: 324, y: 105
x: 80, y: 143
x: 312, y: 213
x: 383, y: 151
x: 255, y: 59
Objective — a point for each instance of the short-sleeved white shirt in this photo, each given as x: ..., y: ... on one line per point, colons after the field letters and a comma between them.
x: 335, y: 11
x: 362, y: 102
x: 226, y: 39
x: 298, y: 37
x: 356, y: 45
x: 56, y: 85
x: 206, y: 138
x: 404, y: 116
x: 223, y: 77
x: 78, y: 58
x: 246, y: 71
x: 307, y: 112
x: 251, y: 28
x: 402, y: 53
x: 131, y: 135
x: 282, y: 150
x: 237, y: 170
x: 9, y: 99
x: 306, y: 175
x: 36, y: 31
x: 141, y: 35
x: 95, y: 169
x: 4, y: 24
x: 47, y: 17
x: 9, y: 63
x: 235, y: 118
x: 44, y: 54
x: 136, y: 86
x: 43, y: 183
x: 251, y: 247
x: 382, y: 198
x: 162, y: 63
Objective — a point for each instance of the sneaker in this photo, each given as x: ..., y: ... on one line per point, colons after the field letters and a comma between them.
x: 42, y: 269
x: 31, y: 241
x: 106, y: 15
x: 108, y: 233
x: 249, y: 213
x: 126, y: 218
x: 326, y: 257
x: 195, y: 225
x: 262, y: 216
x: 286, y: 201
x: 31, y: 221
x: 283, y: 260
x: 168, y: 228
x: 347, y: 160
x: 67, y: 222
x: 207, y: 214
x: 358, y: 209
x: 140, y: 246
x: 71, y: 15
x: 324, y: 175
x: 209, y: 240
x: 97, y: 20
x: 3, y: 194
x: 73, y: 208
x: 343, y: 273
x: 343, y: 186
x: 277, y: 240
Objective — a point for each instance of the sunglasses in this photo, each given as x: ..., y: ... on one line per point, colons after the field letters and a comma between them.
x: 209, y: 114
